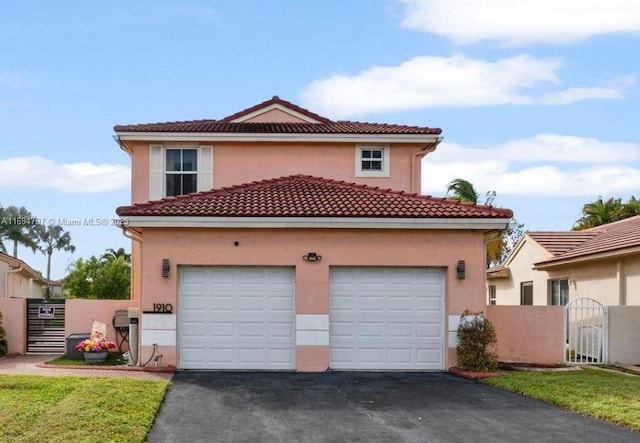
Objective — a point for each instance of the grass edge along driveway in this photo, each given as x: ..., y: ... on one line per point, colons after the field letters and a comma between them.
x: 610, y: 396
x: 79, y: 409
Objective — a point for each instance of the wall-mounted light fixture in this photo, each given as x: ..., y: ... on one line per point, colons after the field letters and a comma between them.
x: 312, y: 256
x: 460, y: 269
x: 165, y: 267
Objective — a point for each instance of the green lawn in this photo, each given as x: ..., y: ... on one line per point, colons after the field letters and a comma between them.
x: 610, y: 396
x: 78, y: 409
x: 113, y: 359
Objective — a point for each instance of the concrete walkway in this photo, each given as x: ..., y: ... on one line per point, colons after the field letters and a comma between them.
x: 31, y: 365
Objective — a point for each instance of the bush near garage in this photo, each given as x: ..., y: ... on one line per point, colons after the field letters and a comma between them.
x: 476, y: 340
x: 4, y: 347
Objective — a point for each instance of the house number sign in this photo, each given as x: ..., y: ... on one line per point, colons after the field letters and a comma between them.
x: 164, y: 308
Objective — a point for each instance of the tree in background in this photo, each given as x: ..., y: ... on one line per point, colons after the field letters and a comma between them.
x: 111, y: 254
x: 600, y: 212
x: 99, y: 278
x: 16, y: 225
x: 499, y: 249
x: 50, y: 238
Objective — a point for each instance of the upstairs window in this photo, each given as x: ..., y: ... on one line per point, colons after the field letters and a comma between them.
x: 178, y: 170
x: 181, y: 171
x: 372, y: 161
x: 558, y: 292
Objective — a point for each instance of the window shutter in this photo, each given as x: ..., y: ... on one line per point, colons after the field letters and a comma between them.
x: 156, y: 172
x: 205, y: 168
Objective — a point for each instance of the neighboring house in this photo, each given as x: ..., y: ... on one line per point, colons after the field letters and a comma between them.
x: 552, y: 268
x: 19, y: 280
x: 301, y: 244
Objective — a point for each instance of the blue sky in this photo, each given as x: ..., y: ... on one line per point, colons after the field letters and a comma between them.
x: 538, y: 101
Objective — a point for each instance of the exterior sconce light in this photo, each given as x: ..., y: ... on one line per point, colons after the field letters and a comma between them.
x: 165, y: 267
x: 312, y: 256
x: 460, y: 269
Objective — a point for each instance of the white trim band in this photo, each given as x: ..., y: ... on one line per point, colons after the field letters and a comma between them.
x: 315, y: 222
x: 276, y: 137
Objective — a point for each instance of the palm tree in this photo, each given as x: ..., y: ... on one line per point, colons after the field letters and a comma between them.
x: 111, y: 254
x: 463, y: 190
x: 51, y: 238
x: 500, y: 247
x: 19, y: 228
x: 600, y: 212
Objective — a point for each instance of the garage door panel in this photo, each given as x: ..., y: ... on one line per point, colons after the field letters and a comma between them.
x: 195, y: 329
x: 220, y: 303
x: 386, y: 318
x: 429, y: 330
x: 241, y: 318
x: 278, y: 304
x: 371, y: 303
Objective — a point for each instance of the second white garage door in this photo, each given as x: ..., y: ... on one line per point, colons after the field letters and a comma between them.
x: 236, y: 318
x: 386, y: 318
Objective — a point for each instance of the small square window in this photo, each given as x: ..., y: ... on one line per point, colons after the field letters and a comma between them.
x: 372, y: 162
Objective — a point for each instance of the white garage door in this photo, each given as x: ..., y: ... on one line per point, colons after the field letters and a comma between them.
x: 236, y: 318
x: 387, y: 318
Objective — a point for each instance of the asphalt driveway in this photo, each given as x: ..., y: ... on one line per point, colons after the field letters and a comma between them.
x: 366, y: 407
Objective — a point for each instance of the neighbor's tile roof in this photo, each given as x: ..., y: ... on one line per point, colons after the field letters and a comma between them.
x: 306, y: 196
x: 325, y: 126
x: 559, y: 242
x: 612, y: 237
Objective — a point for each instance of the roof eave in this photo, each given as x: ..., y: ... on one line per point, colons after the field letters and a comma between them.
x: 480, y: 224
x: 276, y: 137
x: 549, y: 264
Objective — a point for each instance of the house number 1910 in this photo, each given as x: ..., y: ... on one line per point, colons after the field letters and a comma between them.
x: 166, y: 308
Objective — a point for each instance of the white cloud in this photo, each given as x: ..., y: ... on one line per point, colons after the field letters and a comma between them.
x: 74, y: 178
x: 520, y: 22
x: 428, y: 81
x: 546, y: 164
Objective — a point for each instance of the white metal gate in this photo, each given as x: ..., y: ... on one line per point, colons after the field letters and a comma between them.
x: 586, y: 332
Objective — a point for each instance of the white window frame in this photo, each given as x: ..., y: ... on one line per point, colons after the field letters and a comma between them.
x: 550, y: 287
x: 167, y: 172
x: 493, y: 298
x: 385, y: 160
x: 158, y: 169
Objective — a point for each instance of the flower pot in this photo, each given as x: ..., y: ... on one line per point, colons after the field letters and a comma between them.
x: 95, y: 357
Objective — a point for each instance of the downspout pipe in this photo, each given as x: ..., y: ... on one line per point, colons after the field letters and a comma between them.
x: 417, y: 156
x: 134, y: 334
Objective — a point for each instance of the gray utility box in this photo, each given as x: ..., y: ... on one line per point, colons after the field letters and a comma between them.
x: 72, y: 342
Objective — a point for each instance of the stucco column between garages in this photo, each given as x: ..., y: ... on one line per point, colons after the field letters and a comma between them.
x: 312, y: 316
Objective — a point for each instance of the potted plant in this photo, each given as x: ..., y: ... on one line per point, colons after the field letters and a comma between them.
x: 95, y: 349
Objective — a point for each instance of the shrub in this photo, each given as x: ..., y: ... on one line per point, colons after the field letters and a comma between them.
x: 476, y: 340
x: 4, y: 347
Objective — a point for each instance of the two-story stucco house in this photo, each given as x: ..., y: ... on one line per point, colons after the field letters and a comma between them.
x: 276, y: 238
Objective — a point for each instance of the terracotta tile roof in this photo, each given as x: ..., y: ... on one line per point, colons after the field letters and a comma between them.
x: 559, y: 242
x: 325, y: 126
x: 617, y: 237
x: 306, y: 196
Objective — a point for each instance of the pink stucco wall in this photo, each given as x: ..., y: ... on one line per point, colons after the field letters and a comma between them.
x: 531, y: 334
x: 275, y: 247
x: 80, y: 314
x: 260, y: 161
x: 15, y: 323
